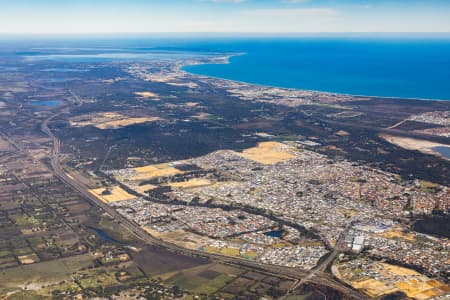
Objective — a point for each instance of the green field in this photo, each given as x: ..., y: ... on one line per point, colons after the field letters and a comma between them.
x: 42, y: 273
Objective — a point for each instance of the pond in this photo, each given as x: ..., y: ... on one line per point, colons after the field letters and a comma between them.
x: 104, y: 235
x: 274, y: 233
x: 50, y: 103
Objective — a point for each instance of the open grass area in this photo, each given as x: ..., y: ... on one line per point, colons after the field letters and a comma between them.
x: 224, y: 251
x: 43, y: 273
x: 111, y: 194
x: 200, y: 280
x: 96, y: 278
x: 152, y: 171
x: 268, y: 153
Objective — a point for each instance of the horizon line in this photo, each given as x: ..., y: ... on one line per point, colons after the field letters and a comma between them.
x: 225, y: 32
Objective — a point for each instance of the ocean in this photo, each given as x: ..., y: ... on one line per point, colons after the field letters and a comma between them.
x: 412, y: 66
x: 388, y: 67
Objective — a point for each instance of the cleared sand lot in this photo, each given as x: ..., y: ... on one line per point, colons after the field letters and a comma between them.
x: 152, y: 171
x: 111, y: 194
x: 390, y: 279
x: 268, y: 153
x: 110, y: 120
x: 126, y: 122
x: 396, y: 234
x: 193, y: 183
x: 146, y: 95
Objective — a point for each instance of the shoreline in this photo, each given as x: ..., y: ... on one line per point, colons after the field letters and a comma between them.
x: 416, y: 144
x: 227, y: 58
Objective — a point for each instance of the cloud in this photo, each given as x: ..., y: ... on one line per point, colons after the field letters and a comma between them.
x: 289, y: 12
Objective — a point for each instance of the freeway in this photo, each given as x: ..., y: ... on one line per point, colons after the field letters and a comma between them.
x: 320, y: 269
x: 317, y: 276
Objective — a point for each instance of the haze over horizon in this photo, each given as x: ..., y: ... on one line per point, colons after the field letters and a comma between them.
x: 214, y: 16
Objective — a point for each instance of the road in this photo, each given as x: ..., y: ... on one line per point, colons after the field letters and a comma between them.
x: 320, y: 270
x: 301, y: 276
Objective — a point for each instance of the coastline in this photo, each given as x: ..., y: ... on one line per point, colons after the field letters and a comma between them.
x: 227, y: 60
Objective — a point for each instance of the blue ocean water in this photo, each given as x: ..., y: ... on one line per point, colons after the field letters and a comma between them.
x: 400, y: 67
x: 405, y: 66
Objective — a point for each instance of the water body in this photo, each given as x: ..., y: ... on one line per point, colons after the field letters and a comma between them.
x: 104, y: 235
x: 438, y: 226
x: 274, y: 233
x: 63, y: 70
x: 445, y: 151
x: 108, y: 56
x: 403, y: 67
x: 50, y: 103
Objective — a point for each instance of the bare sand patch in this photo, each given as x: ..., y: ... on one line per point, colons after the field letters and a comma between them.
x: 395, y: 278
x: 399, y: 235
x: 372, y: 287
x: 268, y: 153
x: 109, y: 120
x: 191, y: 104
x: 28, y: 259
x: 342, y: 133
x: 112, y: 194
x: 193, y: 183
x: 202, y: 116
x: 152, y: 171
x: 126, y: 122
x: 146, y: 95
x: 144, y: 188
x: 423, y: 146
x: 399, y: 270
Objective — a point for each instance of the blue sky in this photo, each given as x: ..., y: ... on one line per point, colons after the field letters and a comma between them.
x: 118, y: 16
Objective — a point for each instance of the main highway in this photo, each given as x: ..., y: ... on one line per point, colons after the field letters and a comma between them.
x: 317, y: 276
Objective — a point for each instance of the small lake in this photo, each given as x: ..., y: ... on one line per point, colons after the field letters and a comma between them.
x: 49, y: 103
x: 63, y: 70
x: 445, y: 151
x: 104, y: 235
x: 274, y: 233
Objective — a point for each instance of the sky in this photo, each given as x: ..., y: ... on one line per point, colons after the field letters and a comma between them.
x: 250, y: 16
